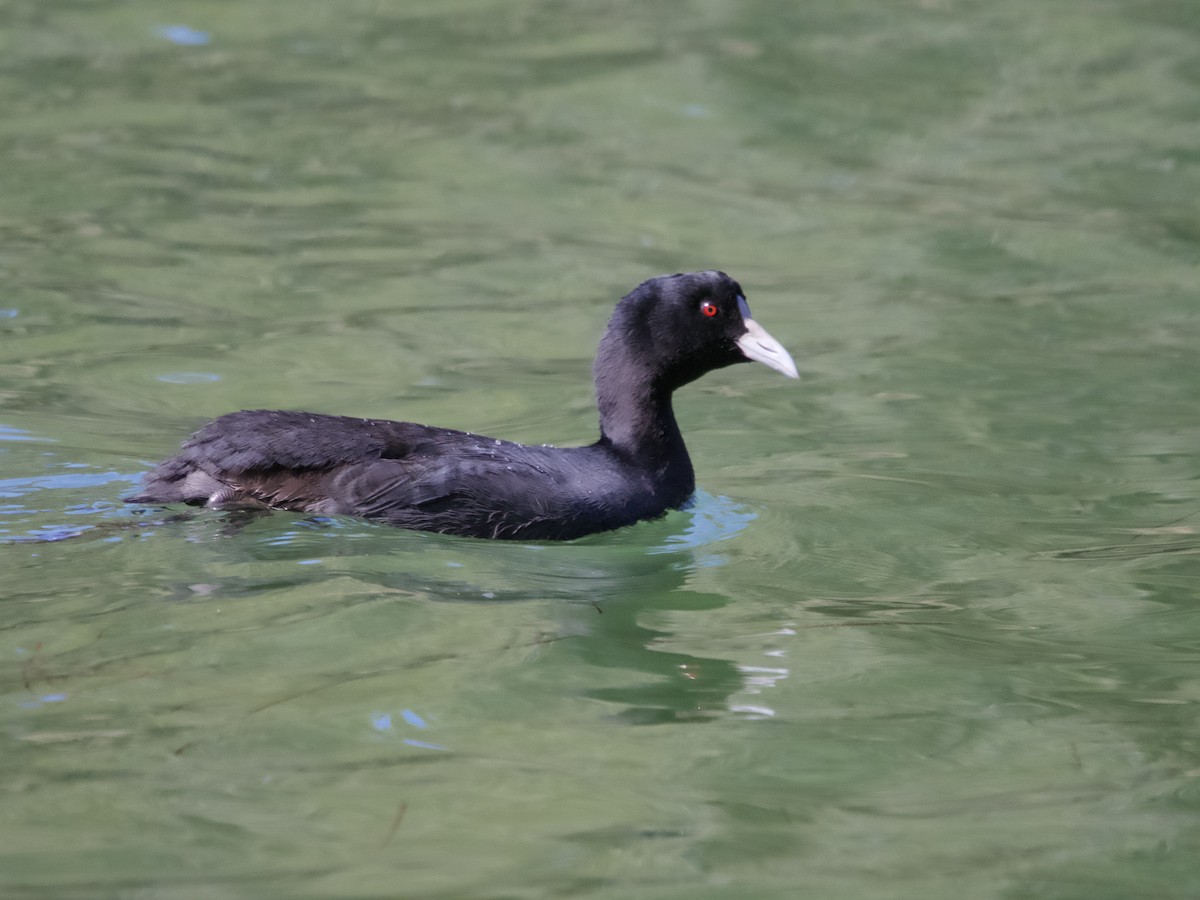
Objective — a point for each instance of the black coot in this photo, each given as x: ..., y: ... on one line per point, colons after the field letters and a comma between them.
x: 667, y: 332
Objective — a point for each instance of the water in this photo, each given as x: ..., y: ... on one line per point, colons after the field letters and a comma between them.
x: 931, y: 628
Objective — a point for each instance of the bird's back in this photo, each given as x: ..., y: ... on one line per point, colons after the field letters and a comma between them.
x: 409, y: 475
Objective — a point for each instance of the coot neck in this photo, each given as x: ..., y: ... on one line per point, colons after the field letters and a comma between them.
x: 641, y: 425
x: 636, y: 416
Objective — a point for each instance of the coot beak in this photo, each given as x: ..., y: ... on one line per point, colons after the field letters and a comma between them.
x: 759, y: 346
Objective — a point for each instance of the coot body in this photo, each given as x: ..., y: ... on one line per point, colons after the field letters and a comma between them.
x: 665, y: 333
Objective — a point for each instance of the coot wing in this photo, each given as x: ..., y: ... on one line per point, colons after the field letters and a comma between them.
x: 410, y: 475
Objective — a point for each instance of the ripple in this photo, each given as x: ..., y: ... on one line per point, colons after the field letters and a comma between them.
x: 188, y: 377
x: 8, y: 433
x: 19, y: 487
x: 1125, y: 551
x: 710, y: 519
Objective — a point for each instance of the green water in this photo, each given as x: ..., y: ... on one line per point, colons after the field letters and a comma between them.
x: 932, y: 628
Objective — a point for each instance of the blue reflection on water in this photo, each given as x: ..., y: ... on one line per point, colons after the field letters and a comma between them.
x: 8, y: 433
x: 413, y: 719
x: 19, y: 487
x: 46, y: 535
x: 24, y: 488
x: 183, y: 35
x: 43, y: 700
x: 710, y: 519
x: 382, y: 722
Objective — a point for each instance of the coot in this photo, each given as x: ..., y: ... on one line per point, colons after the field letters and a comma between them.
x: 667, y: 332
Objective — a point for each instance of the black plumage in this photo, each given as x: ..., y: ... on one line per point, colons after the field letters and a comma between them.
x: 665, y: 333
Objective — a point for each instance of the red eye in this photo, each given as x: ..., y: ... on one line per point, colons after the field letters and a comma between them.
x: 709, y: 308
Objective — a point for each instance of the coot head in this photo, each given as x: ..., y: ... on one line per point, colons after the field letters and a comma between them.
x: 674, y: 328
x: 667, y: 332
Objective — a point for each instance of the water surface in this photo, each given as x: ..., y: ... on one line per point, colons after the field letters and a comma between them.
x: 931, y: 628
